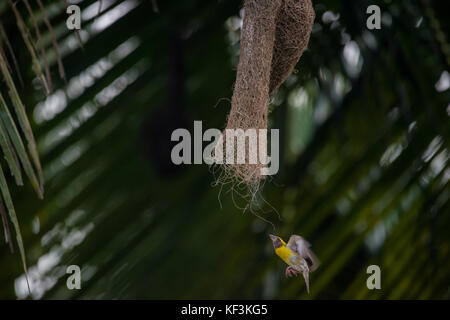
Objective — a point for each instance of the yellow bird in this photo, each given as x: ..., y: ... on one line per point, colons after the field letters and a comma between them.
x: 297, y: 255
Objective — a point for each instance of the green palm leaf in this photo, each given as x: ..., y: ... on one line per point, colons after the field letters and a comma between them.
x: 363, y: 166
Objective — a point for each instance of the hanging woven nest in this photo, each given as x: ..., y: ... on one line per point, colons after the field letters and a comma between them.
x: 274, y: 35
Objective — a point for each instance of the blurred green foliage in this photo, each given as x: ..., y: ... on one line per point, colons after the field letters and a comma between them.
x: 364, y: 171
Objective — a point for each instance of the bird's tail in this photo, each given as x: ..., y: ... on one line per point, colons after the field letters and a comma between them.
x: 306, y: 276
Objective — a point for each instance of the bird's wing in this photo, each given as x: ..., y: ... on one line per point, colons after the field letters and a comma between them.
x: 302, y: 248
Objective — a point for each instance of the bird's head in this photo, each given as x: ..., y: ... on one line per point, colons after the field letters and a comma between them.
x: 276, y: 241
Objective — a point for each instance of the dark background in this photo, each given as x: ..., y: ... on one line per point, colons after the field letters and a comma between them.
x: 364, y: 126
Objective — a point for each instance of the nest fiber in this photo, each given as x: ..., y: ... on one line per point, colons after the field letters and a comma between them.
x: 274, y: 35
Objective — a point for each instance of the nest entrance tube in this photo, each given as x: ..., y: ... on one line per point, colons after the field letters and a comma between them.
x: 294, y: 24
x: 274, y: 35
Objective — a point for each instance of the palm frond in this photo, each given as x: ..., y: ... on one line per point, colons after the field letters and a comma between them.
x: 363, y: 165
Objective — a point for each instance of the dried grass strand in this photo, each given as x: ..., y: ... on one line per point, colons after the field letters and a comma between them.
x: 39, y: 45
x: 12, y: 54
x: 62, y: 72
x: 29, y: 44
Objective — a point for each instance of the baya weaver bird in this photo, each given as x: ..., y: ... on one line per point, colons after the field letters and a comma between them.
x: 297, y: 255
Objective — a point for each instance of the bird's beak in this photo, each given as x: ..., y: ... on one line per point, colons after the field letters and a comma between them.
x: 272, y: 237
